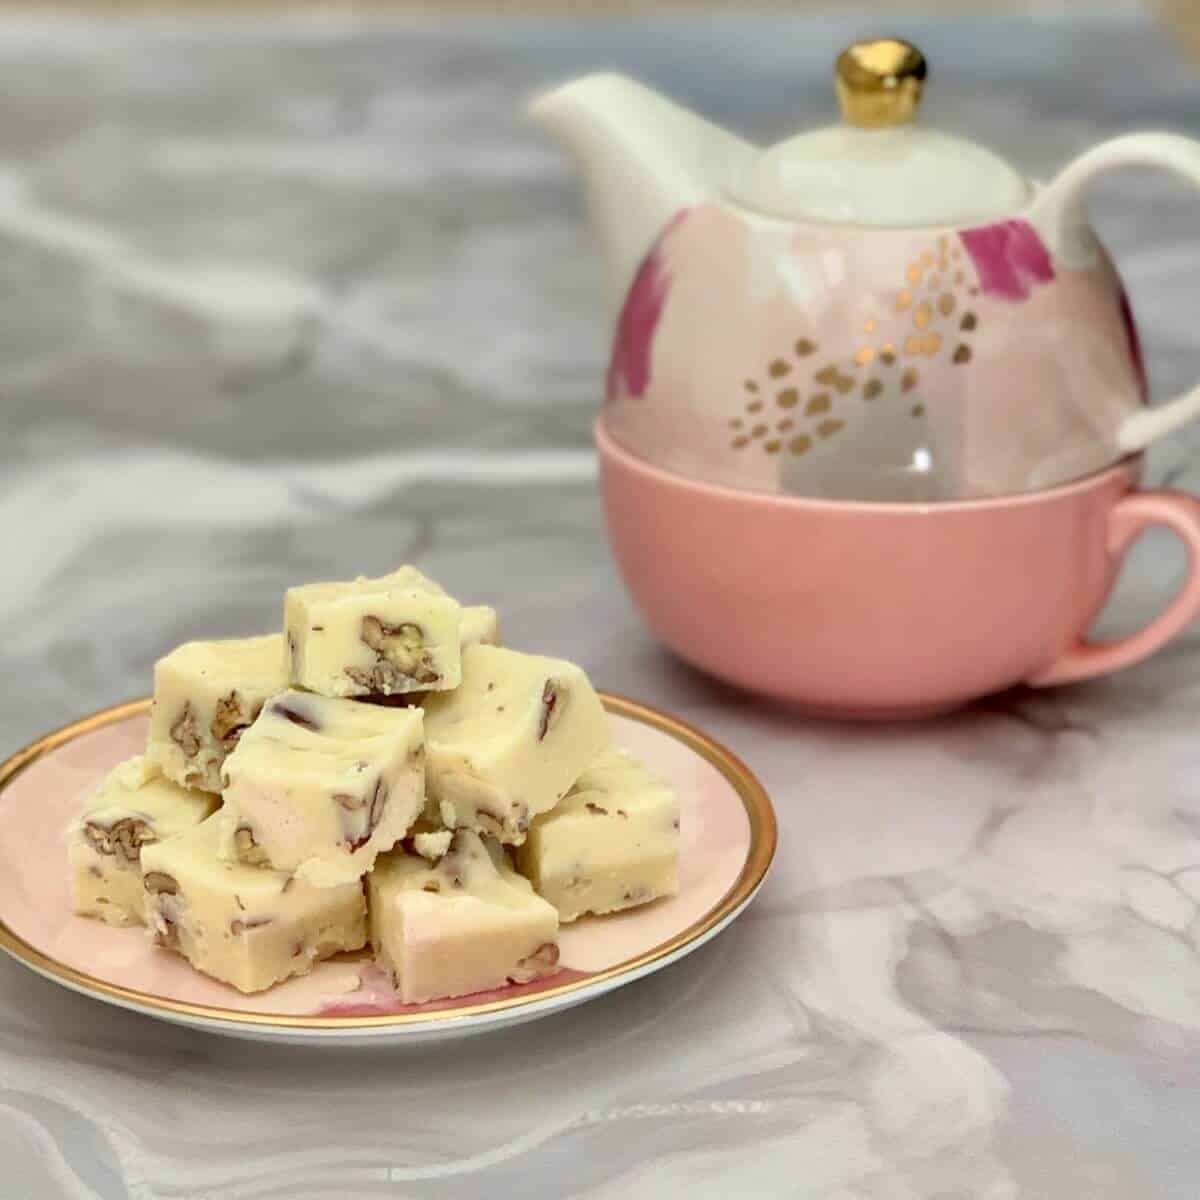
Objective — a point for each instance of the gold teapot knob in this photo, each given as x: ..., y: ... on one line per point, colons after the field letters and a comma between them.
x: 880, y: 83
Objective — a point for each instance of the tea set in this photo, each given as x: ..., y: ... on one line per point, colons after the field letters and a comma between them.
x: 875, y: 401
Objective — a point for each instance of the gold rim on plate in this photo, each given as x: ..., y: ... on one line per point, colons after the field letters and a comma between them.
x: 764, y: 835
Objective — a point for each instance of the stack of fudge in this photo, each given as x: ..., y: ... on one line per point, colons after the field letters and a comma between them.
x: 382, y: 771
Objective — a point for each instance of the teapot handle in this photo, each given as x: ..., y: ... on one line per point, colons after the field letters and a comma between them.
x: 1060, y: 218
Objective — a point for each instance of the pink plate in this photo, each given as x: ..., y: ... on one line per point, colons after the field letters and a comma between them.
x: 729, y: 836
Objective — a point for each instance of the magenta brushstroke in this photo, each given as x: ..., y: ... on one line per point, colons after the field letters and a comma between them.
x: 1135, y: 343
x: 1009, y: 258
x: 630, y: 362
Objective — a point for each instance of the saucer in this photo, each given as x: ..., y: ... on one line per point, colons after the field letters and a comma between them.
x: 728, y: 832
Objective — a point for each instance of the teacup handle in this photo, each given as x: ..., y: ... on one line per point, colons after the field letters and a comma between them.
x: 1060, y: 218
x: 1129, y: 517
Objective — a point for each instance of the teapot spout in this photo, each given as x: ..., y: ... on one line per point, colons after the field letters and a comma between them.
x: 642, y: 157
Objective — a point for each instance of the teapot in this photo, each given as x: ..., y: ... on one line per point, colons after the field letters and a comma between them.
x: 871, y: 311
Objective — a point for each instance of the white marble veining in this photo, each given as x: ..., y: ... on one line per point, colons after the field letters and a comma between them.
x: 291, y: 300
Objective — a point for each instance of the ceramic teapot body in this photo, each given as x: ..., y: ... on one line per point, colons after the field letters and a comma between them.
x: 907, y: 364
x: 882, y: 359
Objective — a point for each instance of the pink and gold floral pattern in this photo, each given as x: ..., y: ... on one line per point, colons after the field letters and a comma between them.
x: 931, y: 317
x: 746, y: 344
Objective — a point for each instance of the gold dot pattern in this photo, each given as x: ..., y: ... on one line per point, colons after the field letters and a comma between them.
x: 927, y: 318
x: 832, y: 377
x: 923, y: 343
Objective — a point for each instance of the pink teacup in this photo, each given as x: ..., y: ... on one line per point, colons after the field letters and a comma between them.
x: 882, y: 611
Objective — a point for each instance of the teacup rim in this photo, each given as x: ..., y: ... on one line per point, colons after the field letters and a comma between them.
x: 1129, y: 466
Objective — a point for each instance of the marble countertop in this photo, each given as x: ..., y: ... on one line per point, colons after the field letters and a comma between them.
x: 297, y: 300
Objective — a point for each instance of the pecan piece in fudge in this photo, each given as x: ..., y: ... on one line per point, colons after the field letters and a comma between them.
x: 135, y: 806
x: 466, y: 923
x: 387, y: 636
x: 509, y: 742
x: 205, y: 695
x: 247, y: 926
x: 320, y: 786
x: 612, y: 843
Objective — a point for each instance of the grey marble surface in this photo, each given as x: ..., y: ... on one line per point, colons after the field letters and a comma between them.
x: 290, y: 301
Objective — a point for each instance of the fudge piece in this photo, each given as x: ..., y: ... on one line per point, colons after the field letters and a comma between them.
x: 432, y: 843
x: 612, y: 843
x: 321, y: 786
x: 248, y: 926
x: 385, y: 636
x: 205, y: 694
x: 466, y: 923
x: 133, y: 807
x: 510, y: 741
x: 480, y: 625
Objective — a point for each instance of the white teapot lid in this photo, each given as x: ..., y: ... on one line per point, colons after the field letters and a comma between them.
x: 879, y: 167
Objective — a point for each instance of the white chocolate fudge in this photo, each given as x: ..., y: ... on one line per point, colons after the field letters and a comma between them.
x: 612, y: 843
x: 321, y: 786
x: 467, y: 923
x: 386, y: 636
x: 509, y: 742
x: 433, y: 844
x: 480, y: 625
x: 248, y: 926
x: 205, y: 694
x: 133, y: 807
